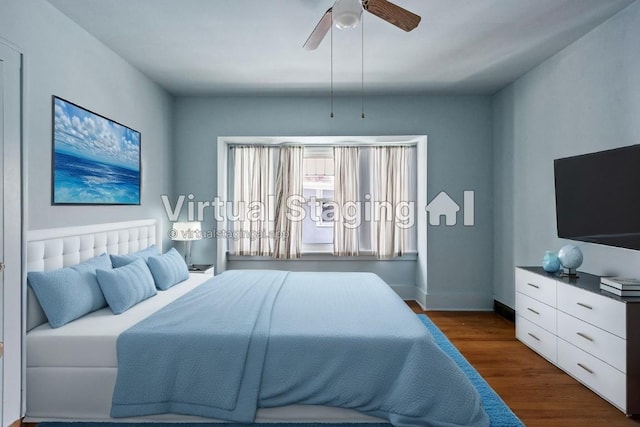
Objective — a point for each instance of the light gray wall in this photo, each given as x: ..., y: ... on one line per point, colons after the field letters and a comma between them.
x: 459, y: 130
x: 63, y: 59
x: 584, y: 99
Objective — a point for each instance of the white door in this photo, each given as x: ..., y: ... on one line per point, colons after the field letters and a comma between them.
x: 10, y: 236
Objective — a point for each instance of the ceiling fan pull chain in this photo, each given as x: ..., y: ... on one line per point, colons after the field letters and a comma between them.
x: 362, y: 64
x: 331, y: 66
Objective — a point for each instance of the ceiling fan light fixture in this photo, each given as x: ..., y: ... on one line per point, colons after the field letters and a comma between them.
x: 347, y: 13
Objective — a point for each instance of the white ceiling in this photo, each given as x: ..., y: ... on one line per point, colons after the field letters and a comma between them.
x: 199, y: 47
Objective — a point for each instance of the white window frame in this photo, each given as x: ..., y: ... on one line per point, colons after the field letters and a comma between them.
x: 420, y: 141
x: 323, y: 222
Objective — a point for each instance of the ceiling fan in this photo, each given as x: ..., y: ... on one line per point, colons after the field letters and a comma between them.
x: 346, y: 14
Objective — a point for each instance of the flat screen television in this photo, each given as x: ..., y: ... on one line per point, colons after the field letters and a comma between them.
x: 598, y: 197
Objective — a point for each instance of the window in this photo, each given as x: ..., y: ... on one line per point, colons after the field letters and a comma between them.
x: 355, y: 199
x: 318, y: 186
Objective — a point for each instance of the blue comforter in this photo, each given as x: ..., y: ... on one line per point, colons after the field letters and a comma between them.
x: 249, y: 339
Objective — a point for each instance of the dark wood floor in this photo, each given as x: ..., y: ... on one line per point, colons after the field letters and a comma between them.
x: 539, y: 393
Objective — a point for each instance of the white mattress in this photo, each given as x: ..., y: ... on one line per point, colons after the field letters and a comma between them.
x: 91, y: 340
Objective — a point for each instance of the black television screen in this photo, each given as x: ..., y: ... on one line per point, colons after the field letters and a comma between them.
x: 598, y: 197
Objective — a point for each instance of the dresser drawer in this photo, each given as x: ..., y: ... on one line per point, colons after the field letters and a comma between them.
x: 536, y: 312
x: 598, y: 342
x: 593, y: 308
x: 605, y: 380
x: 541, y: 341
x: 536, y: 286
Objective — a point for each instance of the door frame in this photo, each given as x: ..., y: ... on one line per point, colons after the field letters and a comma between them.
x: 12, y: 234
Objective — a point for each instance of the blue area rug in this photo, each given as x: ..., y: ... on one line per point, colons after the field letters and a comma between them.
x: 499, y: 413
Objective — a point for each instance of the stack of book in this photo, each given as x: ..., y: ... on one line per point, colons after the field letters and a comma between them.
x: 621, y: 286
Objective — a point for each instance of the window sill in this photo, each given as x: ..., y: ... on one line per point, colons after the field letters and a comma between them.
x: 325, y: 256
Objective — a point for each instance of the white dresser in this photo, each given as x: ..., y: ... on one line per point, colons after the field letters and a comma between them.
x: 594, y: 336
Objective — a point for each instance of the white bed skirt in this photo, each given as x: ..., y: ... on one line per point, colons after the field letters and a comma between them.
x: 84, y: 394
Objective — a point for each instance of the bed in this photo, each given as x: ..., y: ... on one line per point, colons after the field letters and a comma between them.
x: 72, y: 372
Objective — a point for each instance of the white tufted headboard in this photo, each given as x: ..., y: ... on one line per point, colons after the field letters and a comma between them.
x: 54, y: 248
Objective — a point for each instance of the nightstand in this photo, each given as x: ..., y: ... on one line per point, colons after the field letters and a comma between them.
x: 202, y: 268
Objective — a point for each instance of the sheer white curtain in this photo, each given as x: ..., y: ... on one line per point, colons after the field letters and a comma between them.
x: 346, y: 241
x: 391, y: 194
x: 253, y: 189
x: 289, y: 198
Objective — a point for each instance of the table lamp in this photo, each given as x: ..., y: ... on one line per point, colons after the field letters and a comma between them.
x: 187, y: 232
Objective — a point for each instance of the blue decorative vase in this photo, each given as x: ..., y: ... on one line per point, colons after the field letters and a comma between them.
x: 550, y: 262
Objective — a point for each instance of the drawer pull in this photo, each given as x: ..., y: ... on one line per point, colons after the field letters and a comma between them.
x: 581, y: 304
x: 532, y: 310
x: 586, y: 337
x: 533, y: 286
x: 585, y: 368
x: 533, y: 336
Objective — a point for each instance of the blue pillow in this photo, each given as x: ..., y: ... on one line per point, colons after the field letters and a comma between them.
x: 124, y: 287
x: 69, y: 293
x: 122, y: 260
x: 168, y: 269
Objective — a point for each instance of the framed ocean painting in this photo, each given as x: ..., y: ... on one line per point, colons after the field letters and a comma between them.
x: 96, y: 161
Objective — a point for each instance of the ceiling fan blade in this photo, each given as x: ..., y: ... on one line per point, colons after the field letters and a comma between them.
x: 319, y: 31
x: 392, y: 13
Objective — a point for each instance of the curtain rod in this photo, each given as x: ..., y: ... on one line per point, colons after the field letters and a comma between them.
x: 327, y: 145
